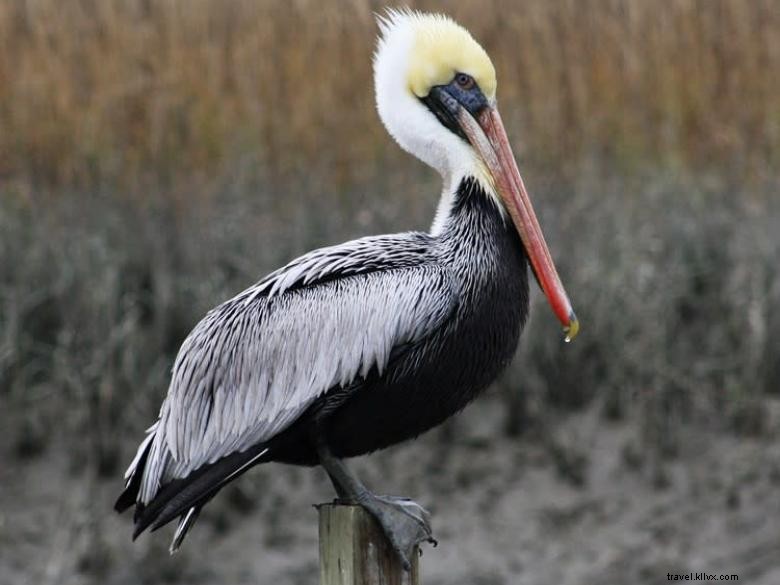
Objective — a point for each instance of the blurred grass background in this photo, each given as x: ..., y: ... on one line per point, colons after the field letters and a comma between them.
x: 158, y: 156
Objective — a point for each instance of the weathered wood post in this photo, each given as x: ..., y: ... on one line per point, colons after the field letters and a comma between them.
x: 355, y: 551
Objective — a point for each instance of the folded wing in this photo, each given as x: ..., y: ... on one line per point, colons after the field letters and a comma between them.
x: 254, y: 364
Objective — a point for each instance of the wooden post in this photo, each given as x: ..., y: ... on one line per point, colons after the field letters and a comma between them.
x: 355, y: 551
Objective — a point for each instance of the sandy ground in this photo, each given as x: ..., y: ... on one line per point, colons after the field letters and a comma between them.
x: 502, y: 513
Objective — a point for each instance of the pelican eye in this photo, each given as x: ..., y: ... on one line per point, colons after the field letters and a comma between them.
x: 465, y: 81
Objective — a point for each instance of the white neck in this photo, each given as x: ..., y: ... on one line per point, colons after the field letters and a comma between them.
x: 444, y: 208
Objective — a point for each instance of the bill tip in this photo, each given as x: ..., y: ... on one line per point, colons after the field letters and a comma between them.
x: 572, y: 329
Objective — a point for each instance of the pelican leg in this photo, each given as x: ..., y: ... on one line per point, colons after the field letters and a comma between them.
x: 405, y: 523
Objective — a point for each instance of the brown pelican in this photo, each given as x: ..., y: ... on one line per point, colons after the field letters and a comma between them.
x: 356, y: 347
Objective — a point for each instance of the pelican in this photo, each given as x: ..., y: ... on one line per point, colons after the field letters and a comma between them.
x: 356, y: 347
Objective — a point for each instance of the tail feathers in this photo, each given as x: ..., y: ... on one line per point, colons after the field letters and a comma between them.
x: 185, y: 523
x: 186, y: 496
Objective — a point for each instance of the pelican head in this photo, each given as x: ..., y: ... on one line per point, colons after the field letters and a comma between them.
x: 436, y: 95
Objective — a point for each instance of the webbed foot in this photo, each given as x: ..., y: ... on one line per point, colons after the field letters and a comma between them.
x: 405, y: 523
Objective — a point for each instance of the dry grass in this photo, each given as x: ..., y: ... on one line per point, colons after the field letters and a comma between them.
x: 132, y: 91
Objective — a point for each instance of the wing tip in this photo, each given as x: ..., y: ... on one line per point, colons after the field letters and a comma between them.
x: 185, y: 523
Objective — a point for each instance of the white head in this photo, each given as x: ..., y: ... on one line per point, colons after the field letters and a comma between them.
x: 415, y: 53
x: 436, y: 95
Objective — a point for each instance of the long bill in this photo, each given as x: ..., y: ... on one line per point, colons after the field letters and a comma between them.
x: 487, y: 135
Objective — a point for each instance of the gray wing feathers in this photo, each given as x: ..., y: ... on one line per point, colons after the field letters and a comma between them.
x: 255, y: 363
